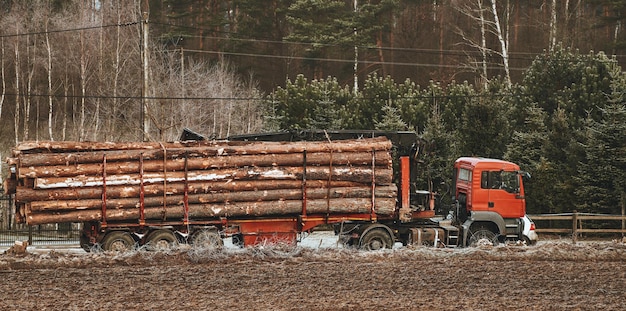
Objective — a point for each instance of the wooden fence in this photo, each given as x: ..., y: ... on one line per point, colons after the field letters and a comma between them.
x: 577, y: 224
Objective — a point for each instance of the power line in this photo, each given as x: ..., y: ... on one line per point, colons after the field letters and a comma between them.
x: 349, y: 61
x: 396, y: 49
x: 68, y: 30
x: 383, y: 48
x: 531, y: 55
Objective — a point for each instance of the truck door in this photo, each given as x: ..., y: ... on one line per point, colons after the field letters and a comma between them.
x: 504, y: 195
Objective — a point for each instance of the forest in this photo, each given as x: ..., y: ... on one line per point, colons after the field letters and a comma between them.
x: 538, y: 83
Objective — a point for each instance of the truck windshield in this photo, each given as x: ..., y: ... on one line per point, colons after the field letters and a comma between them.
x: 505, y: 180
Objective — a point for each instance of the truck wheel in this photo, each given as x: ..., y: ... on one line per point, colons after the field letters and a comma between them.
x: 84, y: 243
x: 482, y: 236
x: 118, y: 241
x: 207, y: 239
x: 375, y: 239
x: 238, y: 240
x: 160, y: 240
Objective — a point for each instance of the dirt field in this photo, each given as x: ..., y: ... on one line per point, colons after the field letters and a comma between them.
x: 550, y: 276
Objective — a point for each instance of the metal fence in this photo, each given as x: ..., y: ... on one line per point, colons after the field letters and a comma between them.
x: 53, y: 234
x: 57, y: 234
x: 6, y: 210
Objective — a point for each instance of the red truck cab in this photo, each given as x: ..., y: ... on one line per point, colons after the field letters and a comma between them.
x: 490, y: 195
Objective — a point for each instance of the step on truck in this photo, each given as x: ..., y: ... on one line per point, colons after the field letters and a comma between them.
x: 261, y: 188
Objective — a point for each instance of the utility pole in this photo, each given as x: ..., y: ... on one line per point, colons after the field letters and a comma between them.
x: 144, y: 90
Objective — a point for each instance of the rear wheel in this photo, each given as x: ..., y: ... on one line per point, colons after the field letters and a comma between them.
x: 376, y: 239
x: 160, y: 240
x: 482, y: 236
x: 118, y: 241
x: 207, y: 239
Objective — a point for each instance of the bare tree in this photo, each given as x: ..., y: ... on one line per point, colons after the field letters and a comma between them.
x: 49, y: 50
x: 503, y: 38
x: 4, y: 83
x: 553, y: 26
x: 16, y: 119
x: 477, y: 12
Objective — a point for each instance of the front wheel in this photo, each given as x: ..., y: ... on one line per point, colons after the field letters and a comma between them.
x: 482, y: 236
x: 376, y: 239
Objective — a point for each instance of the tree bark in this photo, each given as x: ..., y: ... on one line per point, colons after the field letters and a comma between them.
x: 220, y: 197
x: 122, y: 167
x: 383, y: 206
x: 206, y: 147
x: 343, y: 173
x: 65, y: 181
x: 26, y: 194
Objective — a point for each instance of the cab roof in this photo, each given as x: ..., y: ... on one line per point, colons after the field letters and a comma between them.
x: 485, y: 163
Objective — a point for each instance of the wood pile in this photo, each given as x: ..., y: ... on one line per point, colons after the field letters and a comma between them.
x: 93, y: 181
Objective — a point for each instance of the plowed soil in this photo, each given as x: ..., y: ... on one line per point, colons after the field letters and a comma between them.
x: 549, y: 276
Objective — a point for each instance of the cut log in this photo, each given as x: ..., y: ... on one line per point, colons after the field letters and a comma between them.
x: 26, y: 194
x: 10, y: 185
x: 216, y: 147
x: 64, y: 181
x: 352, y: 159
x: 344, y: 173
x: 383, y: 206
x: 224, y: 197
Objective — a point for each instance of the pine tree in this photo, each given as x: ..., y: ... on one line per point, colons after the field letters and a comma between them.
x: 391, y: 119
x: 526, y: 149
x: 601, y: 175
x: 438, y: 153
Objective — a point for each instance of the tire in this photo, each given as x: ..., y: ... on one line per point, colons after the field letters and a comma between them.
x: 482, y: 236
x: 207, y: 239
x: 529, y: 242
x: 376, y: 239
x: 161, y: 240
x: 84, y: 242
x: 238, y: 240
x: 118, y: 241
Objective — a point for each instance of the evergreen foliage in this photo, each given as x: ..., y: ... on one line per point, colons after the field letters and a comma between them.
x: 601, y: 178
x: 559, y: 125
x: 306, y: 105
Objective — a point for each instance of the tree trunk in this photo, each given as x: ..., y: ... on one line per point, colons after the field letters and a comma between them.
x: 503, y: 43
x: 237, y: 209
x: 209, y: 147
x: 50, y: 108
x: 342, y: 173
x: 26, y: 194
x: 16, y: 117
x: 276, y: 195
x: 67, y: 181
x: 74, y: 167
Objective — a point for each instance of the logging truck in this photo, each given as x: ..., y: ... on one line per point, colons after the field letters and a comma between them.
x: 264, y: 188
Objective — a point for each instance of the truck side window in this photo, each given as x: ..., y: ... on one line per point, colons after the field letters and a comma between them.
x: 484, y: 178
x: 507, y: 181
x: 465, y: 174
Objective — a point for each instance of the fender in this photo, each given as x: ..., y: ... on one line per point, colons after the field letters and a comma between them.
x: 376, y: 226
x: 483, y: 216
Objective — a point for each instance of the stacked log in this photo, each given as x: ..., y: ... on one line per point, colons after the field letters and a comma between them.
x: 93, y: 181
